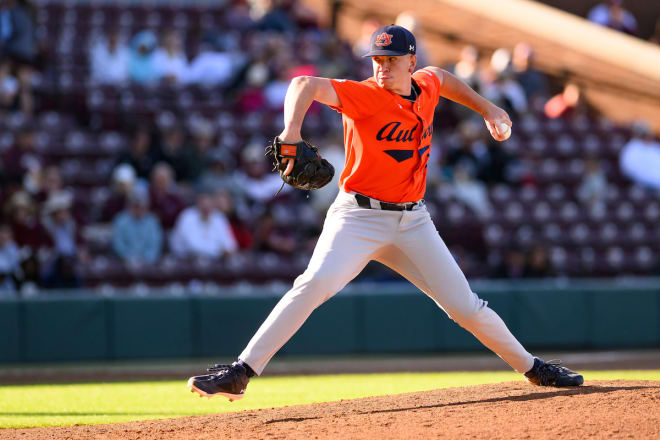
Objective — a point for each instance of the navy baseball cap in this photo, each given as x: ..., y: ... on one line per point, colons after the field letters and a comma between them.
x: 392, y: 40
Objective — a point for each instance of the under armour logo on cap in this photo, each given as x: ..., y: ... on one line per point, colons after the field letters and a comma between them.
x: 392, y: 40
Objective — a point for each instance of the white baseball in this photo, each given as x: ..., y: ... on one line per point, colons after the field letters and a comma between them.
x: 504, y: 130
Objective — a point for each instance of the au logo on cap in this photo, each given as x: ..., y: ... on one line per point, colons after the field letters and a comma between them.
x: 384, y: 39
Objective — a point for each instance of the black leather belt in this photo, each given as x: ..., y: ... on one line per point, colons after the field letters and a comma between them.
x: 365, y: 202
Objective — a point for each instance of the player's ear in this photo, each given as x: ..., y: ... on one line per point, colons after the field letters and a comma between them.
x: 413, y: 63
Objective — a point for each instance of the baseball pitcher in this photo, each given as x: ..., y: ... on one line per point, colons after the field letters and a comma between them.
x: 379, y: 213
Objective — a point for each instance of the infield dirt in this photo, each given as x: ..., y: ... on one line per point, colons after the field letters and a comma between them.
x: 599, y: 409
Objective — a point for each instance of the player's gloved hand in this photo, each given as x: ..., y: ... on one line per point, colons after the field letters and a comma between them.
x: 300, y: 164
x: 498, y: 123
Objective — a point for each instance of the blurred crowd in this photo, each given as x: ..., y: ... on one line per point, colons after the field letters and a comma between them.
x: 196, y: 188
x: 176, y: 190
x: 614, y: 15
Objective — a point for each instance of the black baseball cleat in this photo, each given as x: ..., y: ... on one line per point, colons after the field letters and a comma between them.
x: 552, y: 374
x: 229, y: 380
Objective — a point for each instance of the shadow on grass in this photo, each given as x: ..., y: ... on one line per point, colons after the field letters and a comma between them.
x: 533, y: 396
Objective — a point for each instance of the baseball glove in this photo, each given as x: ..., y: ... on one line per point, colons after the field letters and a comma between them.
x: 310, y: 170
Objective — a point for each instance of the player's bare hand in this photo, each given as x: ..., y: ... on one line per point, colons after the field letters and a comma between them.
x: 289, y: 138
x: 498, y: 123
x: 289, y: 165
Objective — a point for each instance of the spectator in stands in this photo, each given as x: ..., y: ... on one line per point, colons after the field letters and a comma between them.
x: 26, y: 227
x: 143, y: 154
x: 408, y: 20
x: 524, y: 170
x: 363, y: 42
x: 60, y: 224
x: 224, y: 203
x: 202, y: 231
x: 593, y: 188
x: 564, y: 104
x: 218, y: 173
x: 109, y: 59
x: 640, y: 157
x: 533, y: 82
x: 64, y: 233
x: 10, y: 261
x: 303, y: 15
x: 471, y: 192
x: 194, y: 158
x: 276, y: 89
x: 278, y: 52
x: 213, y: 66
x: 308, y: 55
x: 613, y: 15
x: 538, y: 263
x: 496, y: 165
x: 123, y: 184
x: 500, y: 60
x: 253, y: 179
x: 19, y: 48
x: 50, y: 183
x: 252, y: 98
x: 22, y: 161
x: 30, y: 236
x: 513, y: 266
x: 335, y: 60
x: 238, y: 17
x: 170, y: 60
x: 136, y: 234
x: 165, y: 200
x: 9, y: 89
x: 141, y: 66
x: 467, y: 67
x: 271, y: 15
x: 498, y: 83
x: 173, y: 148
x: 511, y: 93
x: 470, y: 139
x: 270, y: 237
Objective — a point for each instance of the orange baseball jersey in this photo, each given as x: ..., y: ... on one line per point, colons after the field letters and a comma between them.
x: 387, y: 138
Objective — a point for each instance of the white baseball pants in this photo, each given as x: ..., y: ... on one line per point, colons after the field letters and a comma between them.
x: 407, y: 242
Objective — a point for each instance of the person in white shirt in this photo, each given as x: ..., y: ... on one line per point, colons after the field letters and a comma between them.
x: 109, y: 60
x: 471, y: 192
x: 275, y: 91
x: 640, y: 157
x: 214, y: 65
x: 170, y: 60
x: 253, y: 178
x: 202, y: 231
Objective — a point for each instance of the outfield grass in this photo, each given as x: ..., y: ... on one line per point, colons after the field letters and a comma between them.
x: 68, y: 404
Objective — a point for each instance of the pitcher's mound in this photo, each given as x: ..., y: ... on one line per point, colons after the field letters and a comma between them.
x: 599, y: 409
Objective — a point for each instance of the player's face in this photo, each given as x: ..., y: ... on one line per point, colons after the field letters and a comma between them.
x: 393, y: 72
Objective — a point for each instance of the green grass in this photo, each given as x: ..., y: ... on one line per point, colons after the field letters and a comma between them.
x: 68, y: 404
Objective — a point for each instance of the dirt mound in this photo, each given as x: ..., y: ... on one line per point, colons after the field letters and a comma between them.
x: 600, y: 409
